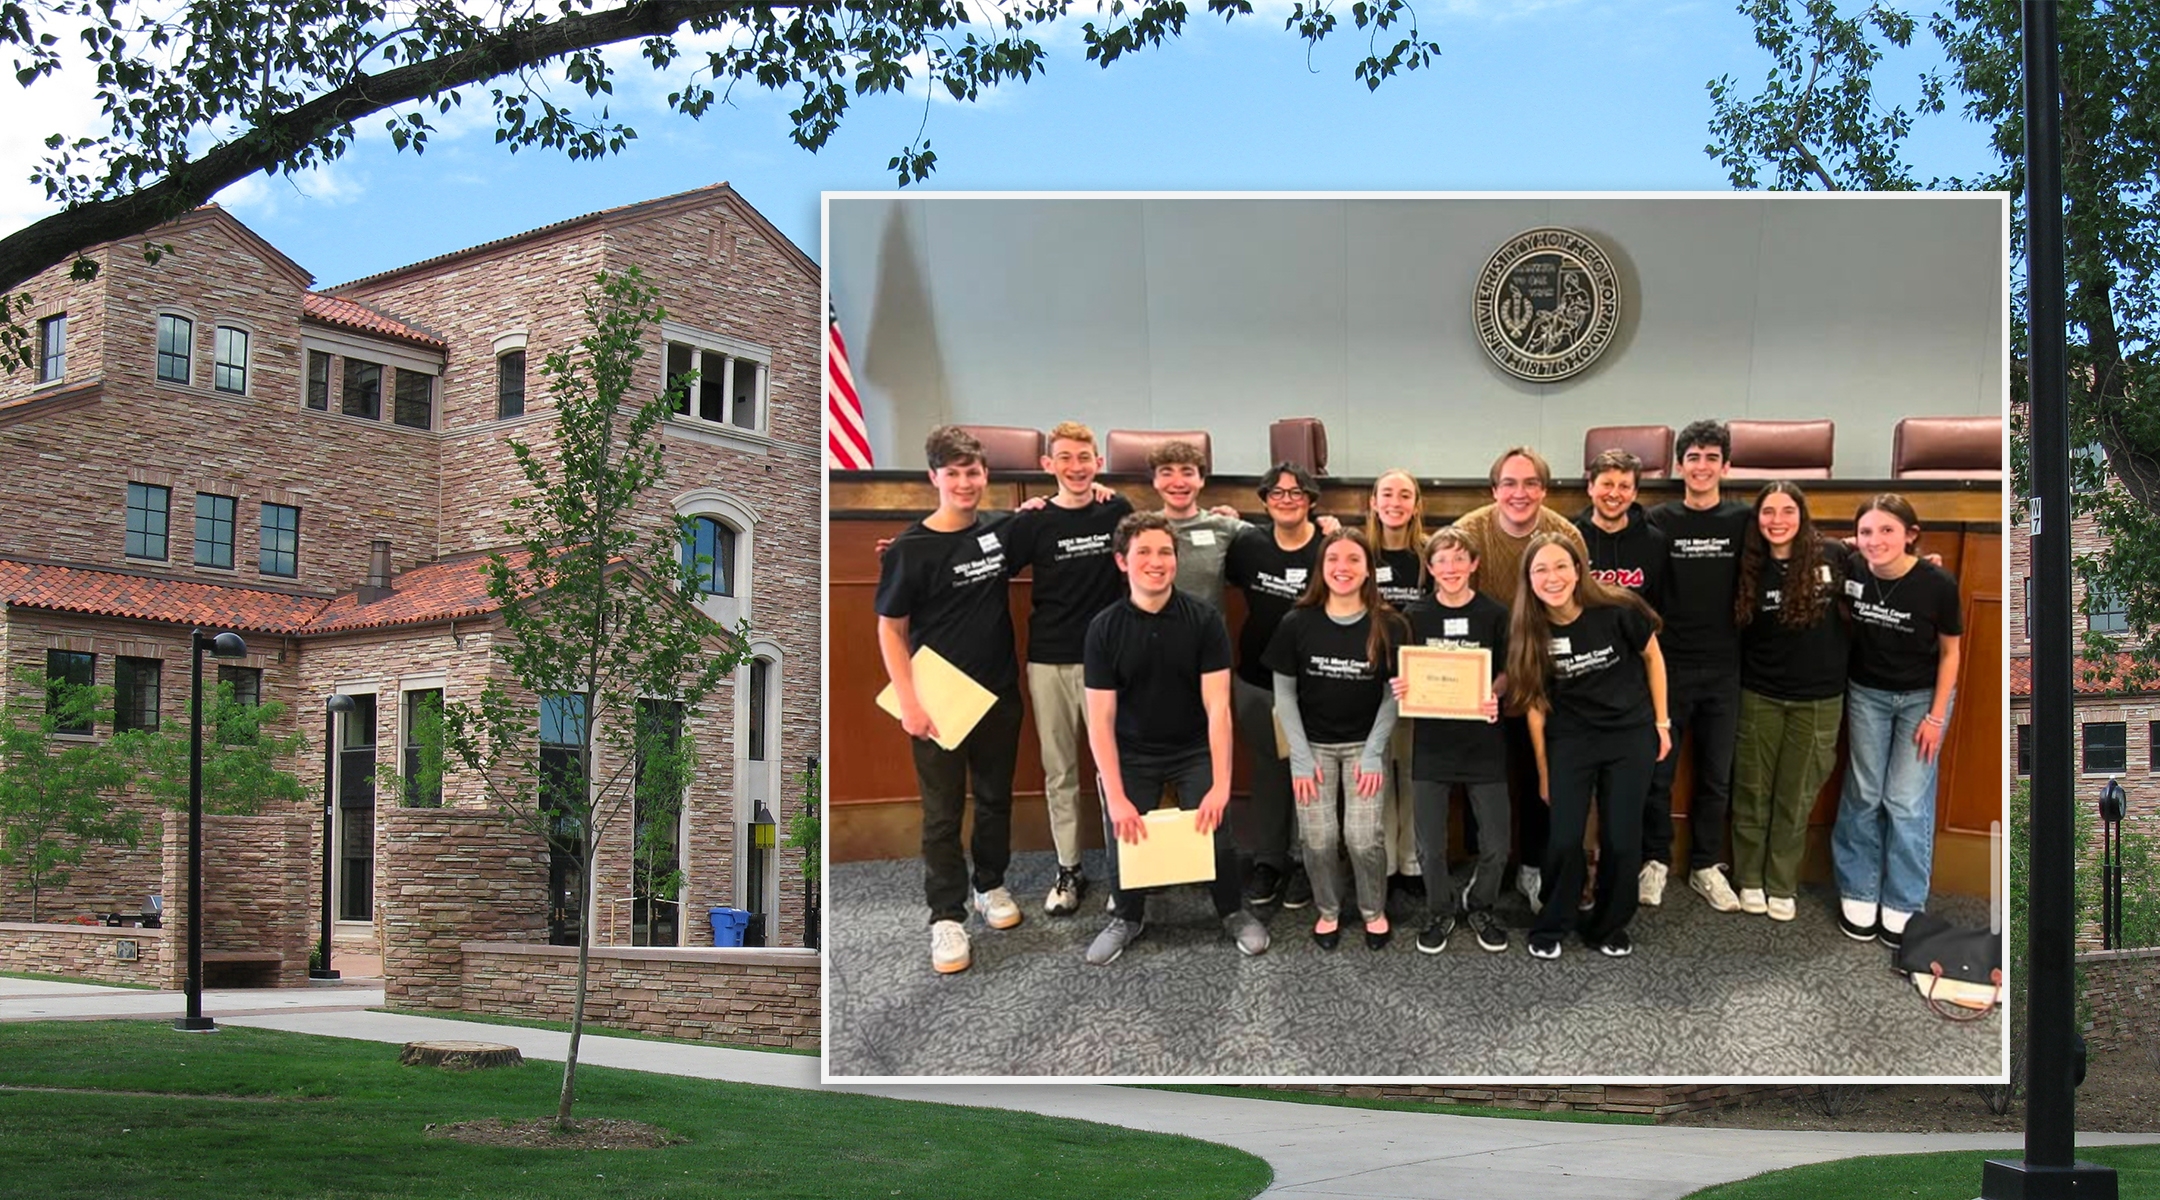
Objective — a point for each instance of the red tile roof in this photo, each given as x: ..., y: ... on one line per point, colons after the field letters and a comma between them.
x: 2083, y: 681
x: 144, y: 598
x: 351, y: 314
x: 430, y: 592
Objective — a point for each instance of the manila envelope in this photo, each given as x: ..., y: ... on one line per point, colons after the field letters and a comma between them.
x: 1174, y: 851
x: 954, y: 701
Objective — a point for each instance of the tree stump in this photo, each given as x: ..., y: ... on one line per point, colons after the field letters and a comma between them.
x: 460, y: 1056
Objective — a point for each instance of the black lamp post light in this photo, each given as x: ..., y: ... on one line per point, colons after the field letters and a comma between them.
x: 223, y: 645
x: 2112, y: 804
x: 331, y: 708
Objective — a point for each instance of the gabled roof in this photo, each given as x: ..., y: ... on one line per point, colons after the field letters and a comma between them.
x: 606, y: 218
x: 96, y: 593
x: 358, y: 317
x: 253, y: 240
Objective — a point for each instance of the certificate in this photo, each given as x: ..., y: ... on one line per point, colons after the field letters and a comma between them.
x: 1451, y: 683
x: 1174, y: 851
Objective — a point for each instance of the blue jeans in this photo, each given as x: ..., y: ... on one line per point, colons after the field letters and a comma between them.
x: 1883, y: 844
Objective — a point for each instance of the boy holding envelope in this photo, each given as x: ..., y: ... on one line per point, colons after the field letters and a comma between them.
x: 1157, y: 667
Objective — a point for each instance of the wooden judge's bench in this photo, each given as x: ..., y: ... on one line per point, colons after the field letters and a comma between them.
x: 876, y: 812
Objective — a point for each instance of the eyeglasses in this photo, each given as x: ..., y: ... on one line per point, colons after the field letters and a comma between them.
x: 1284, y: 494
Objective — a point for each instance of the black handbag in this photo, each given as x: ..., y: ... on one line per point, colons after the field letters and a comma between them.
x: 1940, y: 957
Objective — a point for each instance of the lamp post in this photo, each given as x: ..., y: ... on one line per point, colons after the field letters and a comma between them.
x: 811, y: 874
x: 2112, y: 804
x: 223, y: 645
x: 764, y: 842
x: 331, y: 708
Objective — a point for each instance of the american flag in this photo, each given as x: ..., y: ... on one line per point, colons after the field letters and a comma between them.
x: 847, y: 440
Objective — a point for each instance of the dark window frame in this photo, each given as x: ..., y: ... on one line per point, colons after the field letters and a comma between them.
x: 207, y: 525
x: 318, y: 382
x: 2024, y: 750
x: 361, y: 395
x: 246, y: 683
x: 717, y: 576
x: 141, y: 517
x: 226, y: 375
x: 510, y: 384
x: 2106, y: 611
x: 138, y: 687
x: 413, y: 702
x: 267, y: 550
x: 52, y: 348
x: 175, y: 349
x: 69, y: 667
x: 757, y: 728
x: 2099, y: 757
x: 412, y: 402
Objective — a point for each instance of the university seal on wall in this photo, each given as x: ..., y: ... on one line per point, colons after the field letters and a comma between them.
x: 1547, y: 304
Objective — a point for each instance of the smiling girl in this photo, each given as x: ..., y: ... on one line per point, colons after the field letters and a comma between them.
x: 1584, y: 666
x: 1395, y: 527
x: 1331, y: 658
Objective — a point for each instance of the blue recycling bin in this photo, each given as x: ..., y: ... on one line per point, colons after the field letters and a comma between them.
x: 727, y: 925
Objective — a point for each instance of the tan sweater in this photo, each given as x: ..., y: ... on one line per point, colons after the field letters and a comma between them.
x: 1500, y: 555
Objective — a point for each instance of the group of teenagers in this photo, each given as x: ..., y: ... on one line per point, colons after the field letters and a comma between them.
x: 1611, y: 636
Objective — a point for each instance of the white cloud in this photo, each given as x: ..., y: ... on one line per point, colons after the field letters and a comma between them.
x: 325, y: 185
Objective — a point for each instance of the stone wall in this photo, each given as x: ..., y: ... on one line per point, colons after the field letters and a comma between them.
x: 1653, y: 1100
x: 444, y: 877
x: 256, y: 894
x: 743, y: 997
x: 88, y: 952
x: 2122, y: 992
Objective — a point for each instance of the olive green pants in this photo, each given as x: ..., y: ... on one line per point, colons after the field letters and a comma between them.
x: 1784, y: 753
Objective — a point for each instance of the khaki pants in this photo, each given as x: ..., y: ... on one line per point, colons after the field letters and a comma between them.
x: 1060, y: 703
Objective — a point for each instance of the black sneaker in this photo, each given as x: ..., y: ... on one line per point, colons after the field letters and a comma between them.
x: 1263, y: 885
x: 1857, y: 931
x: 1616, y: 945
x: 1434, y: 939
x: 1491, y: 935
x: 1297, y: 891
x: 1894, y: 940
x: 1544, y: 945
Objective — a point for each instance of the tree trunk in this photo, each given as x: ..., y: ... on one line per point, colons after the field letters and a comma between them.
x: 458, y: 1055
x: 584, y: 957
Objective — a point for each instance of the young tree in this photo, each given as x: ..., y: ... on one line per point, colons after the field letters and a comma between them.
x: 806, y: 832
x: 57, y: 796
x: 242, y: 753
x: 605, y: 656
x: 201, y: 95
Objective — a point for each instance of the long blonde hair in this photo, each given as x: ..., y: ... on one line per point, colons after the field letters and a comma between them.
x: 1529, y: 652
x: 1414, y: 533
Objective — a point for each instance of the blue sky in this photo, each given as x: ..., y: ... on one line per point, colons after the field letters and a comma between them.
x: 1536, y: 95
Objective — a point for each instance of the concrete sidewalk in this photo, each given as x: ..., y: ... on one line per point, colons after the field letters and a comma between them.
x: 1316, y: 1150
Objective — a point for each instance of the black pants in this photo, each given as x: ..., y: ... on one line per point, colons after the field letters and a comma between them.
x: 1705, y: 703
x: 1488, y: 805
x: 1614, y: 766
x: 984, y: 762
x: 1192, y: 774
x: 1532, y: 821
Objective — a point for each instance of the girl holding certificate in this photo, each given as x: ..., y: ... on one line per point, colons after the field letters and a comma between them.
x: 1584, y: 666
x: 1395, y: 526
x: 1793, y: 647
x: 1331, y: 658
x: 1906, y: 625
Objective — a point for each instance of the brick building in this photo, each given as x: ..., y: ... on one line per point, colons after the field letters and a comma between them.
x: 205, y: 440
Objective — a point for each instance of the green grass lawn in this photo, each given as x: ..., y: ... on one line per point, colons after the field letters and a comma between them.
x: 1952, y: 1176
x: 43, y: 978
x: 592, y: 1029
x: 257, y: 1113
x: 1416, y: 1106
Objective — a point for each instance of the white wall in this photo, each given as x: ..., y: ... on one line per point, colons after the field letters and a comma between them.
x: 1227, y: 314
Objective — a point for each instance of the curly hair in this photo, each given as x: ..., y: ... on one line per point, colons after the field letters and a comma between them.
x: 1807, y: 593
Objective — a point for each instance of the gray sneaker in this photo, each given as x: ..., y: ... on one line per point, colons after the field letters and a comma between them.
x: 1111, y: 942
x: 1247, y: 931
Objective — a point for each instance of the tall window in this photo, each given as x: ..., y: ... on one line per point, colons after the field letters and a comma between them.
x: 423, y: 759
x: 363, y: 389
x: 356, y: 813
x: 748, y: 381
x: 656, y: 824
x: 231, y: 372
x: 709, y: 554
x: 415, y: 407
x: 562, y: 742
x: 66, y: 669
x: 135, y: 693
x: 213, y: 530
x: 2105, y: 748
x: 2105, y: 611
x: 760, y: 685
x: 52, y: 348
x: 318, y: 380
x: 246, y: 683
x: 510, y: 384
x: 147, y: 508
x: 175, y: 349
x: 2024, y: 748
x: 280, y: 540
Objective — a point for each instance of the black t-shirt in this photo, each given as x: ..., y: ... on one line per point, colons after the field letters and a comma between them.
x: 1459, y: 751
x: 1784, y: 663
x: 1704, y: 571
x: 1896, y: 622
x: 1338, y: 688
x: 1154, y: 661
x: 1396, y: 575
x: 1598, y: 679
x: 1076, y: 573
x: 951, y: 588
x: 1273, y: 579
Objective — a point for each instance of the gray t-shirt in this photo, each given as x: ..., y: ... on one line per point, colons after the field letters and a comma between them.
x: 1203, y: 539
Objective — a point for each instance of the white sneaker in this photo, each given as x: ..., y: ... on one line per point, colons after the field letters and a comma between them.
x: 1064, y: 897
x: 1530, y: 882
x: 1650, y: 884
x: 1781, y: 908
x: 948, y: 947
x: 1753, y: 901
x: 1709, y: 883
x: 997, y: 908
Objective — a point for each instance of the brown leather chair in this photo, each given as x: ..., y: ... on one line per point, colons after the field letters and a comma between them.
x: 1650, y: 443
x: 1302, y: 440
x: 1947, y: 448
x: 1128, y: 449
x: 1782, y: 449
x: 1009, y: 447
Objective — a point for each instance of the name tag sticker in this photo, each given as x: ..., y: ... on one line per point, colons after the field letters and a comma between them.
x: 1561, y: 645
x: 1852, y: 588
x: 1455, y: 626
x: 1203, y: 537
x: 1384, y: 575
x: 1822, y: 572
x: 988, y: 542
x: 1294, y: 575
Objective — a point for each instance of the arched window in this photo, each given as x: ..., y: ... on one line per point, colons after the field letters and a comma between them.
x: 709, y: 555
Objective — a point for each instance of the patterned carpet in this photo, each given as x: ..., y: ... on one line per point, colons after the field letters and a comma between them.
x: 1705, y: 994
